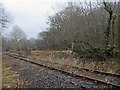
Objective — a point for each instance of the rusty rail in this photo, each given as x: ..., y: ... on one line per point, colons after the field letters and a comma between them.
x: 95, y: 71
x: 66, y: 72
x: 100, y: 72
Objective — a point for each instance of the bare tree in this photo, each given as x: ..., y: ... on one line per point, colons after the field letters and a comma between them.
x: 19, y: 38
x: 81, y: 26
x: 6, y: 43
x: 5, y: 17
x: 5, y: 20
x: 32, y: 43
x: 78, y: 23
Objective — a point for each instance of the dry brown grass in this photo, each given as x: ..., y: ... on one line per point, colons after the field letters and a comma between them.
x: 62, y: 59
x: 42, y: 53
x: 111, y: 66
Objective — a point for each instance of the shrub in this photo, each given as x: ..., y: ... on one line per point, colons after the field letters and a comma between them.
x: 60, y: 54
x: 97, y: 53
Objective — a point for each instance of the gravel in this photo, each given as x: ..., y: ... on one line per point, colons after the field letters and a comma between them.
x: 35, y: 76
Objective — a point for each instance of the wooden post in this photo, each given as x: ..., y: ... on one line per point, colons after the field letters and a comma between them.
x: 72, y: 48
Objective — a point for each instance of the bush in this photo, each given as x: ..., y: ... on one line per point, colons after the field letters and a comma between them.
x: 97, y: 53
x: 60, y: 54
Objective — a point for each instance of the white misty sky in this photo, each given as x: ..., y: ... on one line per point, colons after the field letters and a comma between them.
x: 31, y: 15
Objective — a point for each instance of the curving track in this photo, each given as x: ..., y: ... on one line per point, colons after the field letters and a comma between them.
x: 113, y: 85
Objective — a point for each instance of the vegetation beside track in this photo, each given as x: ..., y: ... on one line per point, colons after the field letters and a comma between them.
x: 66, y: 58
x: 9, y: 79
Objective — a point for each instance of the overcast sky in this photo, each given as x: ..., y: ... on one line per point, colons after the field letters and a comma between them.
x: 31, y: 15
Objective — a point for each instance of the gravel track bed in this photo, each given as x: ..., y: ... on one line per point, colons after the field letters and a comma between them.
x: 107, y: 78
x: 41, y: 77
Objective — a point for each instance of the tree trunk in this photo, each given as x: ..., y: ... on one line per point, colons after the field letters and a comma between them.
x: 119, y: 28
x: 20, y: 49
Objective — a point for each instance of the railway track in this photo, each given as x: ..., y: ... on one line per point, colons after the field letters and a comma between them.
x: 111, y: 84
x: 95, y: 71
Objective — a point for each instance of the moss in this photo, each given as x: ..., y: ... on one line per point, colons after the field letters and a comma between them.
x: 111, y: 71
x: 5, y: 74
x: 7, y: 78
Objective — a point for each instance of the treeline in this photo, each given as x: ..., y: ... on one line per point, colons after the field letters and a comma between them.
x: 87, y: 28
x: 78, y: 25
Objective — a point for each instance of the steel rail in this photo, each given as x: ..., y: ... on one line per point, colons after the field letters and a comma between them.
x: 86, y: 69
x: 68, y: 73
